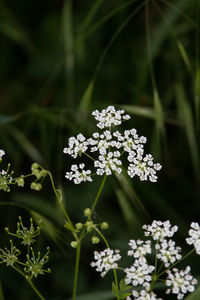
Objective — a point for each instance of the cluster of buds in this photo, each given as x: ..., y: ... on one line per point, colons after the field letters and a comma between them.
x: 88, y: 227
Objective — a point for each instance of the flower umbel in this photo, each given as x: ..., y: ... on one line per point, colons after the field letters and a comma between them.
x: 106, y: 260
x: 10, y: 257
x: 194, y: 238
x: 27, y: 235
x: 180, y: 282
x: 34, y: 265
x: 109, y: 146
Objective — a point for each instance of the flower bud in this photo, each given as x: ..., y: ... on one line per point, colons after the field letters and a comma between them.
x: 74, y: 244
x: 34, y: 166
x: 95, y: 240
x: 87, y: 212
x: 104, y: 225
x: 79, y: 226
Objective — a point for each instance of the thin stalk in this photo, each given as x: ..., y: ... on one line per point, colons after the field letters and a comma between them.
x: 78, y: 251
x: 59, y: 198
x: 176, y: 263
x: 99, y: 193
x: 114, y: 270
x: 30, y: 283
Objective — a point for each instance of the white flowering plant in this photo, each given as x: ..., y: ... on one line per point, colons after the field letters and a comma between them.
x: 154, y: 260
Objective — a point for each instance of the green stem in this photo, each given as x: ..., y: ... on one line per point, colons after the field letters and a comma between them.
x: 99, y: 193
x: 78, y: 251
x: 176, y: 263
x: 30, y: 283
x: 58, y: 195
x: 116, y: 283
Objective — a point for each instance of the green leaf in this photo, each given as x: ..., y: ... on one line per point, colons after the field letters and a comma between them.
x: 195, y: 295
x: 114, y: 289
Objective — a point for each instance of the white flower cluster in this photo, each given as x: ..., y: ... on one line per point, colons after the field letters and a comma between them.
x: 110, y: 145
x: 78, y: 174
x: 142, y: 275
x: 139, y: 273
x: 168, y: 252
x: 106, y: 260
x: 180, y: 282
x: 194, y: 238
x: 159, y: 230
x: 144, y: 295
x: 2, y: 153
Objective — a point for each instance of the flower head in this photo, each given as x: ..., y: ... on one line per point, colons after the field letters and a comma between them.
x: 78, y: 174
x: 180, y: 282
x: 109, y: 117
x: 160, y: 230
x: 139, y: 248
x: 168, y: 252
x: 106, y: 260
x: 145, y: 295
x: 139, y: 273
x: 111, y: 148
x: 194, y: 238
x: 2, y: 153
x: 76, y: 146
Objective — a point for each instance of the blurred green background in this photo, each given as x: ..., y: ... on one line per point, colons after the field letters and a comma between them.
x: 60, y: 60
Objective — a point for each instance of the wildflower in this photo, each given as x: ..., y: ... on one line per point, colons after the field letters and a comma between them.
x: 109, y: 116
x: 78, y: 174
x: 109, y: 147
x: 106, y: 260
x: 76, y: 146
x: 159, y: 230
x: 145, y: 295
x: 168, y: 252
x: 139, y: 248
x: 144, y: 168
x: 108, y: 163
x: 2, y: 153
x: 180, y: 282
x: 194, y: 238
x: 139, y: 273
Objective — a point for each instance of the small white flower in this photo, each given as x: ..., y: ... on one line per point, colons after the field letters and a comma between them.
x: 139, y: 248
x: 143, y: 168
x: 145, y: 295
x: 109, y: 117
x: 180, y: 282
x: 2, y: 153
x: 76, y: 146
x: 78, y: 174
x: 194, y: 238
x: 168, y: 252
x: 160, y: 230
x: 106, y: 260
x: 139, y: 273
x: 108, y: 163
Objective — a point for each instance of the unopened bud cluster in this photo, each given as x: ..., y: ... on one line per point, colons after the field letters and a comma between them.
x: 40, y: 174
x: 88, y: 227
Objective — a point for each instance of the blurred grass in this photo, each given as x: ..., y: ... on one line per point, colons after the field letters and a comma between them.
x: 62, y: 59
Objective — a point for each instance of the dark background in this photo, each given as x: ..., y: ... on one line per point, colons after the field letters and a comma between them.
x: 60, y: 60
